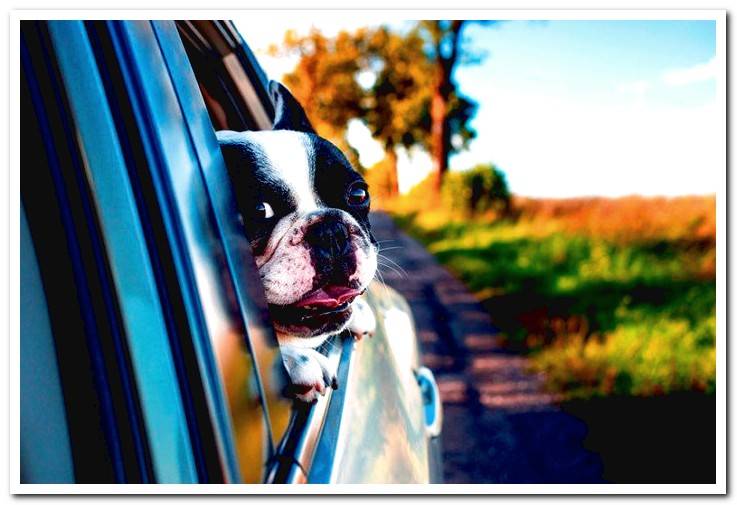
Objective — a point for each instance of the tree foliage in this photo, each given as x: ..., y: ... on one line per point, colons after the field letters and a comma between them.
x: 388, y: 80
x: 324, y: 78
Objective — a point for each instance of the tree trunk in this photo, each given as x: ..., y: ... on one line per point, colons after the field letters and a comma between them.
x: 393, y: 161
x: 439, y: 108
x: 440, y: 134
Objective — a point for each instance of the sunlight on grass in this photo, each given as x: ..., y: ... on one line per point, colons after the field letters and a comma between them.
x: 607, y: 296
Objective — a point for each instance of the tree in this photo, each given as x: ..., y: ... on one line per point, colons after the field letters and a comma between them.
x: 449, y: 111
x: 394, y: 106
x: 403, y: 98
x: 478, y: 190
x: 411, y: 99
x: 397, y: 102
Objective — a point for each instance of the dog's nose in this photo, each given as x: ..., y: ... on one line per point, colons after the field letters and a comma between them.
x: 328, y: 238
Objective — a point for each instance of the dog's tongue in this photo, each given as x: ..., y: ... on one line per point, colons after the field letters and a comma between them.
x: 329, y: 296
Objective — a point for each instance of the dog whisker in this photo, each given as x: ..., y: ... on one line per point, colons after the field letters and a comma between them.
x: 394, y: 265
x: 390, y: 260
x: 402, y: 274
x: 383, y: 282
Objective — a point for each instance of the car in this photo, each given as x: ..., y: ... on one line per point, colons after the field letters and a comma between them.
x: 146, y: 350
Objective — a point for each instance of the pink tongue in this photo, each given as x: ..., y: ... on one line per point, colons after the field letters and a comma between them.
x: 329, y: 296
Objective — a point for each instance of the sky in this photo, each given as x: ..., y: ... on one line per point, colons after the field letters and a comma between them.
x: 567, y: 108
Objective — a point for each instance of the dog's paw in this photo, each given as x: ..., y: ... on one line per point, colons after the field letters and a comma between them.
x: 363, y: 321
x: 309, y: 371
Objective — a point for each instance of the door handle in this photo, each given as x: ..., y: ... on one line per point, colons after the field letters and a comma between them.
x: 431, y: 402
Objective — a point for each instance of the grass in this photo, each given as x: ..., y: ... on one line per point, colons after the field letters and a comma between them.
x: 608, y: 296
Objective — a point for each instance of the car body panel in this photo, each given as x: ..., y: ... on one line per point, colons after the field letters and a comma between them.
x: 44, y: 439
x: 375, y: 431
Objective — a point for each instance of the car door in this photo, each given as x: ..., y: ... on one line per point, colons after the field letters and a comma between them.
x: 159, y: 377
x: 167, y: 364
x: 121, y: 396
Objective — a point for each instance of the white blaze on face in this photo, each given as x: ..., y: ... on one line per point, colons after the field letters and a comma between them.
x: 286, y: 268
x: 288, y: 275
x: 288, y: 154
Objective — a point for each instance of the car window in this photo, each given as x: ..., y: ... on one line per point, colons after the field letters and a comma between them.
x: 234, y: 88
x: 228, y: 372
x: 232, y: 84
x: 205, y: 61
x: 143, y: 178
x: 246, y: 358
x: 113, y: 178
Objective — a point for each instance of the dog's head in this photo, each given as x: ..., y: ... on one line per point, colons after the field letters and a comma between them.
x: 305, y: 211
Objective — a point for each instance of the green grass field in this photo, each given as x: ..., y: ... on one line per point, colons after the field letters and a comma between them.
x: 606, y: 296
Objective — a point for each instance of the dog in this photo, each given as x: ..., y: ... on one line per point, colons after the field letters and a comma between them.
x: 305, y: 213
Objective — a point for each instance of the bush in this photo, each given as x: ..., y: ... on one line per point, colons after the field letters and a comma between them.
x: 476, y: 191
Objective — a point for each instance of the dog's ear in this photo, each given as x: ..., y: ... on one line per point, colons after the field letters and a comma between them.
x: 288, y: 113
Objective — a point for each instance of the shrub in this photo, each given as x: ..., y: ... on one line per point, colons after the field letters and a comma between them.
x: 476, y: 191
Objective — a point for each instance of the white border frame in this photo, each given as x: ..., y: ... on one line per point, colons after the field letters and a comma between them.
x: 13, y: 199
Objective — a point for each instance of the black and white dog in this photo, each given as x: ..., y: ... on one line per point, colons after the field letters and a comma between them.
x: 305, y: 211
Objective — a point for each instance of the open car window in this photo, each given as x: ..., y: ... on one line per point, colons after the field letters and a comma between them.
x: 232, y: 84
x: 234, y: 90
x: 214, y: 268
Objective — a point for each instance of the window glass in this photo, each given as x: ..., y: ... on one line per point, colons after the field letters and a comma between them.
x: 44, y: 440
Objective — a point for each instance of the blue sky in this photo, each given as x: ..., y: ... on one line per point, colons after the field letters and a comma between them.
x: 572, y: 108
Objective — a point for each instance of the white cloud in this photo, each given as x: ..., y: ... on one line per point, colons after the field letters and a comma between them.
x: 557, y: 147
x: 637, y: 88
x: 688, y: 75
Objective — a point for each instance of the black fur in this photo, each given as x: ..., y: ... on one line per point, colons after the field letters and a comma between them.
x: 254, y: 183
x: 288, y: 113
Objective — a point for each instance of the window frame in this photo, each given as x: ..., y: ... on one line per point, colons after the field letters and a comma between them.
x: 148, y: 339
x: 186, y: 204
x: 258, y: 331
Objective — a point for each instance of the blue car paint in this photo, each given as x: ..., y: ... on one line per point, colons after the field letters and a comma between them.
x: 44, y: 439
x: 158, y: 388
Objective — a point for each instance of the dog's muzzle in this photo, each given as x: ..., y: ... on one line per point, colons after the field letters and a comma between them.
x: 332, y: 251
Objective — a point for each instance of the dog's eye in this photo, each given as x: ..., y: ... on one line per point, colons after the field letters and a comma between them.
x: 264, y: 210
x: 357, y: 195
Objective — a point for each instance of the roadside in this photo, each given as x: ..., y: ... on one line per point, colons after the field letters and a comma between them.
x: 499, y: 425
